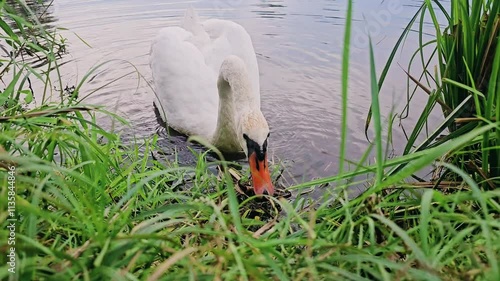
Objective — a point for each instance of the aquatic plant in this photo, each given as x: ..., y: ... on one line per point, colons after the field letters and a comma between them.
x: 461, y: 78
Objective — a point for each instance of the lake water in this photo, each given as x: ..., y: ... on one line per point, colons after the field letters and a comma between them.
x: 299, y: 50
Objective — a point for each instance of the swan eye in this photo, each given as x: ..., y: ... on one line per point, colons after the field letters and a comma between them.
x: 245, y: 136
x: 268, y: 134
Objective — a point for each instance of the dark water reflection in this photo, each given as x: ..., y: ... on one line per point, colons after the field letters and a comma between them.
x: 42, y: 10
x: 299, y: 47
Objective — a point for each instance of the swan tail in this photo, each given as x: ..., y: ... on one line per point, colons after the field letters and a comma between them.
x: 191, y: 22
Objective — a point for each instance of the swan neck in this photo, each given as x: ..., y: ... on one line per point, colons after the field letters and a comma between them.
x: 236, y: 100
x: 234, y: 81
x: 225, y: 136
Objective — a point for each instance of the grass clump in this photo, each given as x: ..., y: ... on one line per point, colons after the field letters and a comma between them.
x: 90, y: 207
x: 464, y: 84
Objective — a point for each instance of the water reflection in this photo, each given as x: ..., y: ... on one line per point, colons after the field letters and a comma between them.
x: 269, y: 10
x: 298, y: 44
x: 41, y: 41
x: 35, y: 10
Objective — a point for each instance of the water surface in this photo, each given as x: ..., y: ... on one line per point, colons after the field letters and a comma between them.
x: 298, y: 45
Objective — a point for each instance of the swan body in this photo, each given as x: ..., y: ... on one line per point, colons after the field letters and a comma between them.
x: 207, y: 84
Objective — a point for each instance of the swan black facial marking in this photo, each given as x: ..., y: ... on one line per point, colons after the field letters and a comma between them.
x: 260, y: 152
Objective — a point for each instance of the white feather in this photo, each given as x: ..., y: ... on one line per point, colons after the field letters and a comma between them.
x: 186, y: 62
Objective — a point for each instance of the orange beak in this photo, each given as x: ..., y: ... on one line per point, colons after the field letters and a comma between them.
x: 260, y: 175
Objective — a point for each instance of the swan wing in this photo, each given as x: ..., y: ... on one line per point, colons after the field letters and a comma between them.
x: 229, y: 38
x: 185, y: 62
x: 186, y: 88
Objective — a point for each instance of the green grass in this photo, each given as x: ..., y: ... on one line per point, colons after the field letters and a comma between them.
x: 90, y: 207
x: 463, y: 84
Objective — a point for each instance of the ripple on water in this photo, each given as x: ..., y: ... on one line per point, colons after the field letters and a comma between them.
x: 299, y: 47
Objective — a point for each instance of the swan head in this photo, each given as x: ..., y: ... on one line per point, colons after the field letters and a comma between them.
x: 253, y: 139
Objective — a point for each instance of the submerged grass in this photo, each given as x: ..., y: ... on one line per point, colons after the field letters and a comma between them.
x: 90, y: 207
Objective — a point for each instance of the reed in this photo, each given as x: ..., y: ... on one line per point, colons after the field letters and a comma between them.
x: 461, y: 79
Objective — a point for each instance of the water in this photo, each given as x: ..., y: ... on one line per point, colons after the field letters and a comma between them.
x: 299, y: 50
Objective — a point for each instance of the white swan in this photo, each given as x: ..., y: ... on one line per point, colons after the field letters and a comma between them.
x: 207, y: 83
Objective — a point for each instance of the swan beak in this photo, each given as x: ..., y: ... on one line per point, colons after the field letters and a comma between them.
x: 260, y: 175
